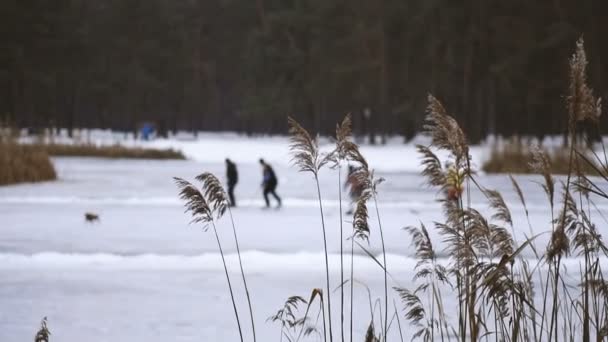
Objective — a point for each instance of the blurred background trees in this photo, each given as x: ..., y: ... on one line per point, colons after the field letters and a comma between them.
x: 498, y: 65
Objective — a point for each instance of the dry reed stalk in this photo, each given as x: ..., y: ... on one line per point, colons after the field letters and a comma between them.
x: 582, y: 105
x: 365, y: 178
x: 287, y: 316
x: 202, y: 211
x: 360, y: 217
x: 375, y: 183
x: 304, y: 332
x: 307, y: 158
x: 337, y: 157
x: 446, y: 135
x: 428, y: 270
x: 346, y: 150
x: 218, y: 198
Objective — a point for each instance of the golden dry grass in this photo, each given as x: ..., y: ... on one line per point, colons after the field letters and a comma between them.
x: 114, y: 151
x: 515, y: 157
x: 21, y: 163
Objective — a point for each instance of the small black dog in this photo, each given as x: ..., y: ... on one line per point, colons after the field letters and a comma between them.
x: 91, y: 217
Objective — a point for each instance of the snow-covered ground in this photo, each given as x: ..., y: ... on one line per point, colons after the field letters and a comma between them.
x: 144, y: 274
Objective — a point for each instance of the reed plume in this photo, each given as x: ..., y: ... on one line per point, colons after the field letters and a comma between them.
x: 286, y: 316
x: 445, y: 131
x: 432, y: 170
x: 214, y: 192
x: 497, y: 202
x: 360, y: 217
x: 304, y: 149
x: 196, y: 204
x: 433, y: 275
x: 415, y: 313
x: 581, y: 103
x: 43, y: 333
x: 307, y: 330
x: 363, y: 176
x: 343, y: 142
x: 424, y: 247
x: 519, y: 193
x: 541, y: 164
x: 370, y: 334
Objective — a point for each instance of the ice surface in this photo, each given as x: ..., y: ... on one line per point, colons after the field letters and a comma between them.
x: 215, y: 147
x: 144, y: 274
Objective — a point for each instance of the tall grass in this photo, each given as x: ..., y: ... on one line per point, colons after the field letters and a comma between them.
x: 113, y: 151
x: 216, y: 195
x: 338, y: 157
x: 21, y: 163
x: 494, y: 282
x: 307, y: 158
x: 513, y: 156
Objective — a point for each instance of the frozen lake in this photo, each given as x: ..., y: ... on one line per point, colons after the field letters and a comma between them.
x: 144, y: 274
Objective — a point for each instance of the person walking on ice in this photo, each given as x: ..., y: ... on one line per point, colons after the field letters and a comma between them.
x: 269, y: 183
x: 232, y: 177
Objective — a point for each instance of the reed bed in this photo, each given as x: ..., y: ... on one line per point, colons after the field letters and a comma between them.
x: 500, y: 294
x: 113, y: 151
x: 514, y: 157
x: 21, y: 164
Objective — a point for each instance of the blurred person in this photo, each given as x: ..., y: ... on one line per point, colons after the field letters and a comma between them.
x: 269, y: 183
x: 232, y: 177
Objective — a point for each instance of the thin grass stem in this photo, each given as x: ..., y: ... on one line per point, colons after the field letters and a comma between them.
x: 238, y: 252
x: 341, y: 253
x: 326, y: 259
x: 385, y: 268
x: 236, y: 313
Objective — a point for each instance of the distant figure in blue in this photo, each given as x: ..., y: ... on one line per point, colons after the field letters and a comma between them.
x: 146, y: 131
x: 269, y: 183
x: 233, y: 177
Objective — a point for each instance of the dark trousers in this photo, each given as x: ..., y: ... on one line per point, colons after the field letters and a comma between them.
x: 231, y: 194
x: 270, y: 189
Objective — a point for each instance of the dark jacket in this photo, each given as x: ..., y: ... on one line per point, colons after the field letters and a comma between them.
x: 270, y: 179
x: 231, y: 173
